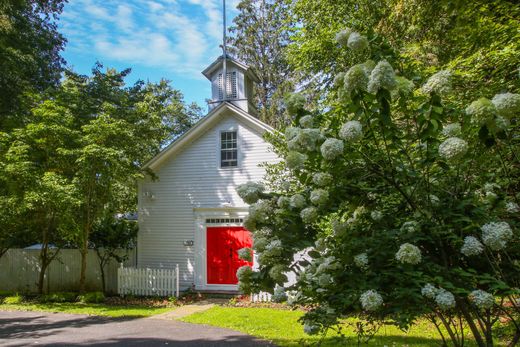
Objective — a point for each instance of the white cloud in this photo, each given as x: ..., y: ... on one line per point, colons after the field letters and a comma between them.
x: 180, y: 35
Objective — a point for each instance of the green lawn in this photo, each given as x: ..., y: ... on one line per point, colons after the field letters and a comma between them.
x: 281, y: 327
x: 92, y: 309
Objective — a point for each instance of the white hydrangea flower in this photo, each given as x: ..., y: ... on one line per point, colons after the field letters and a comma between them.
x: 250, y: 191
x: 339, y: 80
x: 260, y: 243
x: 357, y: 42
x: 297, y: 201
x: 307, y: 121
x: 310, y: 328
x: 471, y: 246
x: 453, y: 149
x: 342, y: 36
x: 371, y: 300
x: 331, y: 149
x: 491, y: 187
x: 351, y: 131
x: 305, y: 140
x: 507, y: 104
x: 409, y: 254
x: 382, y: 77
x: 445, y: 299
x: 512, y: 207
x: 324, y: 280
x: 439, y: 83
x: 496, y: 235
x: 319, y: 197
x: 376, y: 215
x: 245, y: 254
x: 322, y: 179
x: 295, y: 160
x: 452, y: 129
x: 277, y: 273
x: 404, y: 85
x: 502, y: 123
x: 295, y: 103
x: 356, y: 78
x: 361, y: 261
x: 482, y: 299
x: 410, y: 226
x: 482, y: 111
x: 291, y: 133
x: 283, y: 202
x: 309, y: 214
x: 429, y: 291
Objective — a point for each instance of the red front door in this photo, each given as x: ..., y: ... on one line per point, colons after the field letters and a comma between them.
x: 222, y: 258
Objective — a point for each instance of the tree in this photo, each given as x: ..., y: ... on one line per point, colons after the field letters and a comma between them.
x: 261, y: 33
x: 112, y: 238
x: 29, y: 46
x: 474, y: 38
x: 405, y: 205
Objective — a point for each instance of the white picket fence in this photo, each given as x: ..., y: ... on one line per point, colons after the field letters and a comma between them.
x: 261, y: 297
x: 148, y: 282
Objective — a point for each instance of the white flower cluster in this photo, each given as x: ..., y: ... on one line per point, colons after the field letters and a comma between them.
x: 495, y: 235
x: 439, y: 83
x: 351, y: 131
x: 309, y: 215
x: 382, y: 77
x: 324, y: 280
x: 376, y: 215
x: 297, y: 201
x: 453, y: 149
x: 250, y: 191
x: 404, y: 85
x: 361, y: 261
x: 331, y: 149
x: 471, y: 246
x: 307, y: 121
x: 356, y: 78
x: 283, y: 202
x: 512, y: 207
x: 310, y: 328
x: 482, y: 299
x: 482, y: 111
x: 429, y: 291
x: 245, y: 254
x: 303, y: 139
x: 507, y: 104
x: 452, y: 129
x: 371, y: 300
x: 322, y: 179
x: 445, y: 299
x: 342, y: 36
x: 357, y: 42
x: 295, y: 160
x: 410, y: 227
x: 295, y: 103
x: 271, y: 252
x: 409, y: 254
x: 319, y: 197
x: 277, y: 273
x: 339, y: 80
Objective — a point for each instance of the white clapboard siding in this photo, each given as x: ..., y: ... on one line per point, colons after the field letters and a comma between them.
x: 20, y: 268
x: 190, y: 179
x: 148, y: 282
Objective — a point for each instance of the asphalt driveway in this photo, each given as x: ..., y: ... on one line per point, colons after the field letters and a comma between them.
x: 57, y: 329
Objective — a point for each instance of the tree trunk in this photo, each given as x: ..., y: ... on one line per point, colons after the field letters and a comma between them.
x: 84, y: 255
x: 102, y: 269
x: 44, y: 259
x: 471, y: 324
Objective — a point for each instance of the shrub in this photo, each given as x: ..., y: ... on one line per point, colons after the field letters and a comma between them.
x: 59, y: 297
x: 92, y: 298
x: 13, y: 300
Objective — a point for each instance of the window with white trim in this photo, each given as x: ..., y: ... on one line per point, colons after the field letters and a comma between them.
x: 228, y: 149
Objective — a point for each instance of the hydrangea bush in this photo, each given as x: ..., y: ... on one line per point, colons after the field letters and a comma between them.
x: 397, y: 204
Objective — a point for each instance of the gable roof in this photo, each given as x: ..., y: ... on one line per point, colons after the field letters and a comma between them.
x: 201, y: 126
x: 216, y: 64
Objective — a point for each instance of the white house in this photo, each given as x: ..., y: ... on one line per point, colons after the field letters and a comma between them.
x: 191, y: 214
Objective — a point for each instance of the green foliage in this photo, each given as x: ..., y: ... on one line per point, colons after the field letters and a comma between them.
x: 92, y: 298
x: 58, y: 297
x: 409, y: 207
x: 13, y: 300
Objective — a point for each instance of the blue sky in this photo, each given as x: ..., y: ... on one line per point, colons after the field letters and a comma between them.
x: 172, y: 39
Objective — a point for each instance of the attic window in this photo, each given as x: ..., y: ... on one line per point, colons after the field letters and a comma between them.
x: 228, y: 149
x: 231, y: 86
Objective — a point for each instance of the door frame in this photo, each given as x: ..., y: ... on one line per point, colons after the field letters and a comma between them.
x: 201, y: 214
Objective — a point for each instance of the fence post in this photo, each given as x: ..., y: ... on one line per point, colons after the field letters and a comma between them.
x: 177, y: 281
